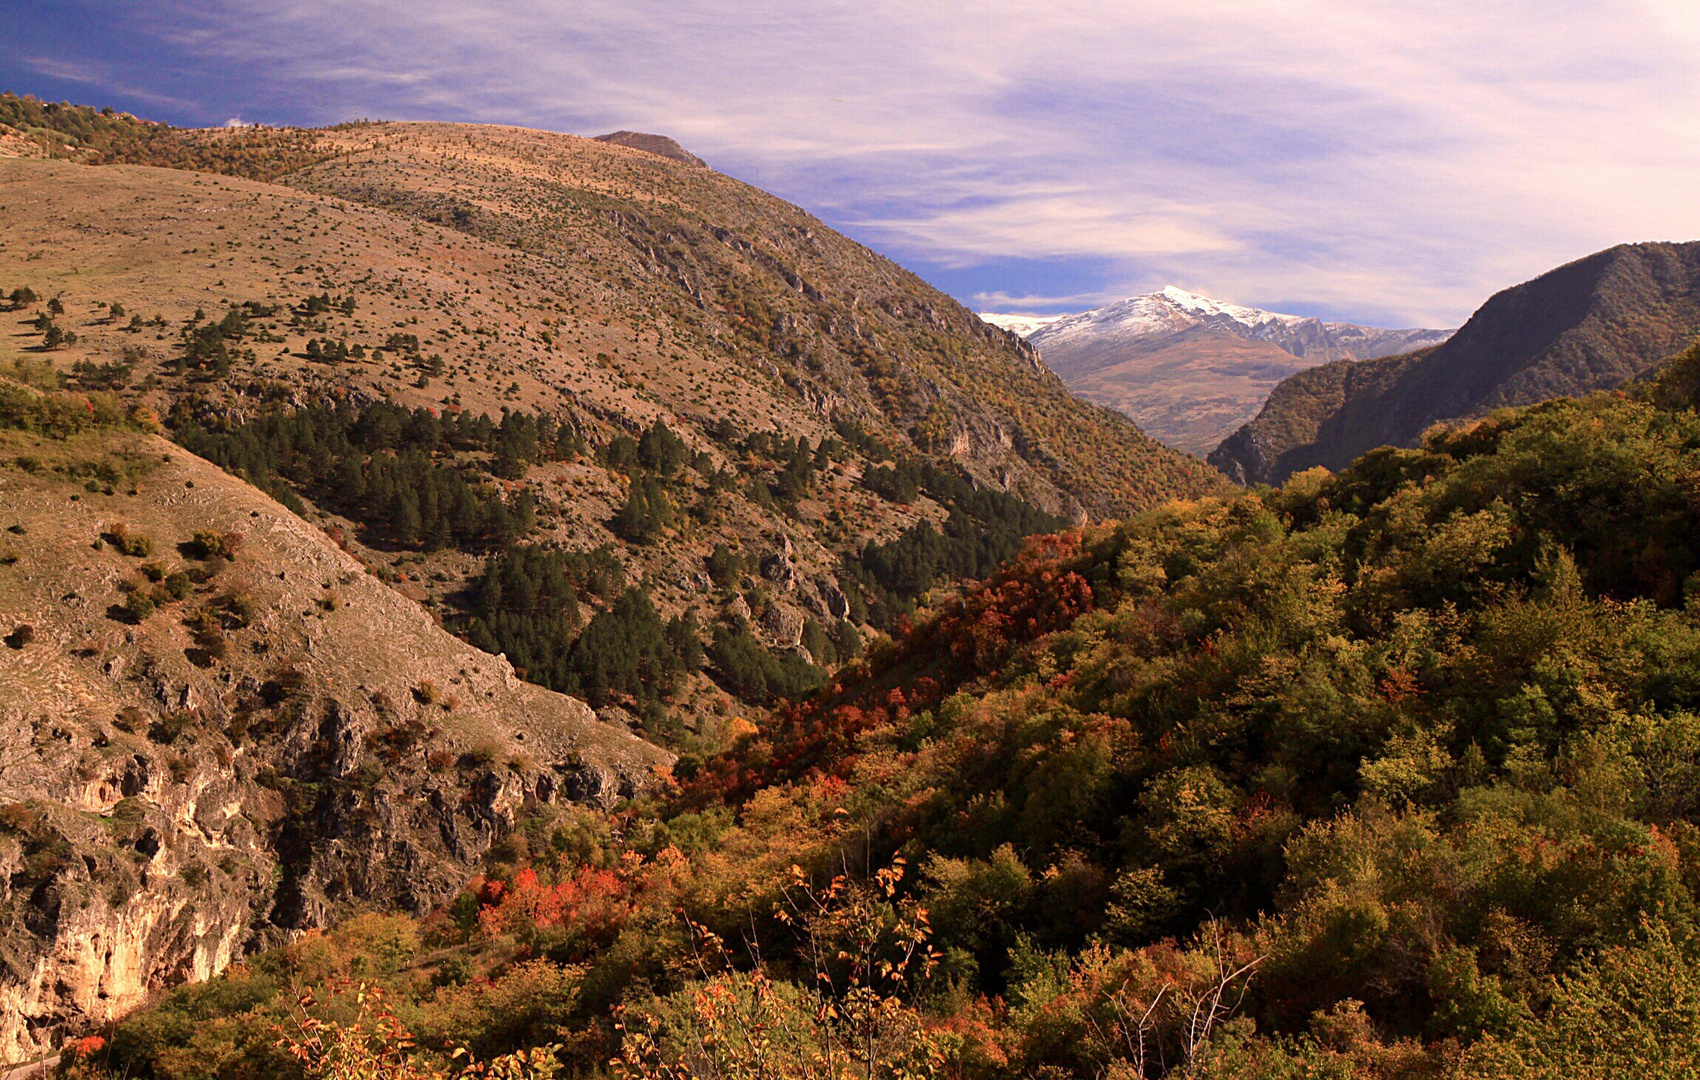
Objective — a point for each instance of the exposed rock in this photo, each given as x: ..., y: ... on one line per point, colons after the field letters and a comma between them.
x: 783, y: 624
x: 613, y: 714
x: 738, y: 609
x: 779, y: 569
x: 159, y: 817
x: 832, y: 597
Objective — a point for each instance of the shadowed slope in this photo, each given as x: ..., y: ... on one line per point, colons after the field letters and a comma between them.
x: 1589, y: 325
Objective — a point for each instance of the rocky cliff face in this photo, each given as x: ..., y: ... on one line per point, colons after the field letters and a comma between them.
x: 202, y: 754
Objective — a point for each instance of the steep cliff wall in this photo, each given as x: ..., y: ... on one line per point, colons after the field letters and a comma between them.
x: 201, y: 754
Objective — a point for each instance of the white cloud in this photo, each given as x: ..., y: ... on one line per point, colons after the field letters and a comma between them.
x: 1355, y: 155
x: 68, y: 70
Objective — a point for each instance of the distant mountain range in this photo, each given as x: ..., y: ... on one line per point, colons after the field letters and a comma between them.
x: 1188, y: 369
x: 1586, y: 326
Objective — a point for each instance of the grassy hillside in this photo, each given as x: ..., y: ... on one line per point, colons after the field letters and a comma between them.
x: 1589, y: 325
x: 1392, y: 773
x: 716, y: 266
x: 603, y: 290
x: 779, y: 318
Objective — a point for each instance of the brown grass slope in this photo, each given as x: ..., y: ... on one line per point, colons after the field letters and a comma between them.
x: 1588, y: 325
x: 165, y: 243
x: 285, y: 742
x: 1188, y: 390
x: 511, y: 331
x: 604, y: 285
x: 716, y: 271
x: 715, y: 268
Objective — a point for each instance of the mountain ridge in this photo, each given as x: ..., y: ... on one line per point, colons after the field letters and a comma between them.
x: 1588, y: 325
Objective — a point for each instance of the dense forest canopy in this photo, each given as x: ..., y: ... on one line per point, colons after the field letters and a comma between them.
x: 1394, y: 772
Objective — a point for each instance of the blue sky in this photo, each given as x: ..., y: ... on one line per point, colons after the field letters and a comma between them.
x: 1390, y: 163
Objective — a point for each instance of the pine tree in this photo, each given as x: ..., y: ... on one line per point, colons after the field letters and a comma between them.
x: 646, y: 513
x: 404, y: 515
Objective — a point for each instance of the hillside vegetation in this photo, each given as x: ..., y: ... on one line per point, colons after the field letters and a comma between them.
x: 1589, y: 325
x: 31, y: 128
x: 1392, y: 773
x: 666, y: 442
x: 606, y: 296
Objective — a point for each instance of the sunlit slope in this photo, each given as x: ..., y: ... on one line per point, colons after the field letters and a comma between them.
x: 727, y: 300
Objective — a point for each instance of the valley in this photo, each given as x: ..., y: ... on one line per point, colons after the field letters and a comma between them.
x: 483, y: 602
x: 1190, y: 370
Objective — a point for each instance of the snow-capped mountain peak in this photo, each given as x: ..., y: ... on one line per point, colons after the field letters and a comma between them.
x: 1191, y: 369
x: 1020, y: 325
x: 1169, y: 311
x: 1203, y: 305
x: 1174, y: 310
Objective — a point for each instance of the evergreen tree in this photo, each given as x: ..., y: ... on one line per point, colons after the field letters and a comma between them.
x: 646, y: 513
x: 624, y: 652
x: 724, y: 566
x: 404, y: 515
x: 661, y: 451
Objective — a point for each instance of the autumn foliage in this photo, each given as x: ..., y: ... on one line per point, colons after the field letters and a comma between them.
x: 1391, y: 773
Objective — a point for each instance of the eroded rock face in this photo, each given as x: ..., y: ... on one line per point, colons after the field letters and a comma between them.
x: 164, y: 810
x: 780, y: 570
x: 784, y: 625
x: 135, y: 865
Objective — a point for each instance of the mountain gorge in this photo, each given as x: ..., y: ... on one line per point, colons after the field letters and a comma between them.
x: 1589, y: 325
x: 1189, y: 370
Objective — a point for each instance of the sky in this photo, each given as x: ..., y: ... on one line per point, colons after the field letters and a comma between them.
x: 1391, y: 163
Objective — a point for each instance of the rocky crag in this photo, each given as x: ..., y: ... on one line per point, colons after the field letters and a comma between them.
x: 217, y: 730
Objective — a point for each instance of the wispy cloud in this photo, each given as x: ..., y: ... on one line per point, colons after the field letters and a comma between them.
x: 63, y: 69
x: 93, y: 74
x: 1367, y: 158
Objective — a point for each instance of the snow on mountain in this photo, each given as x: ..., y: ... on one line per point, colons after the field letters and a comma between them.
x: 1206, y: 307
x: 1020, y: 325
x: 1185, y: 366
x: 1175, y: 310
